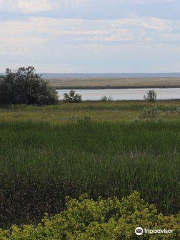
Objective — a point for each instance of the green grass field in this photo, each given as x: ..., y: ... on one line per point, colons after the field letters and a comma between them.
x: 97, y: 111
x: 48, y: 153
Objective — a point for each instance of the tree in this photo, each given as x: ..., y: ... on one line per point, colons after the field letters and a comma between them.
x: 151, y: 96
x: 26, y: 87
x: 72, y: 97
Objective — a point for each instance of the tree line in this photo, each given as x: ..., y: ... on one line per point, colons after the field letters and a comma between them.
x: 25, y: 86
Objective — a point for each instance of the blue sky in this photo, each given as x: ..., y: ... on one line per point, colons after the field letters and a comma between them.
x: 90, y: 35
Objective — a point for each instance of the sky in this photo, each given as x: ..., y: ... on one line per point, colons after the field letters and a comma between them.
x: 90, y: 36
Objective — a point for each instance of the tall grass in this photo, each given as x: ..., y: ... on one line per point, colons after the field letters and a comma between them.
x: 98, y: 111
x: 97, y: 105
x: 42, y: 163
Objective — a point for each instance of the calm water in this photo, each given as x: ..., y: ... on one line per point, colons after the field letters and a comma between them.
x: 124, y: 94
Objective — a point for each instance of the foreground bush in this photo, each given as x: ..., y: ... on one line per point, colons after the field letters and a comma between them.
x: 108, y: 219
x: 26, y: 87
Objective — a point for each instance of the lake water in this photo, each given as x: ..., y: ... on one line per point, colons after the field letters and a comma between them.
x: 124, y: 94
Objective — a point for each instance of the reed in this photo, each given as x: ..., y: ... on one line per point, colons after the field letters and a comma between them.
x: 42, y: 163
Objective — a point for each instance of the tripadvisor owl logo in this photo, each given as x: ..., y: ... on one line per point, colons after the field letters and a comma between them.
x: 139, y: 231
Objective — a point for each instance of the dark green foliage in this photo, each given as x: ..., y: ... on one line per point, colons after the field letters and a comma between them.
x: 43, y: 163
x: 72, y: 97
x: 109, y: 219
x: 26, y: 87
x: 106, y: 99
x: 151, y: 96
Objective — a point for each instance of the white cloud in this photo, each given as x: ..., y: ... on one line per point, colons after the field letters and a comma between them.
x: 30, y: 6
x: 34, y: 5
x: 40, y: 32
x: 74, y: 3
x: 70, y: 32
x: 144, y: 1
x: 20, y: 45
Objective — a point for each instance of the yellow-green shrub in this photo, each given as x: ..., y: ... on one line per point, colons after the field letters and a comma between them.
x: 110, y: 219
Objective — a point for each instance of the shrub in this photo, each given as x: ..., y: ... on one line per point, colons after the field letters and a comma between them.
x: 109, y: 219
x: 26, y: 87
x: 85, y: 119
x: 72, y: 97
x: 151, y: 112
x: 151, y: 96
x: 106, y: 99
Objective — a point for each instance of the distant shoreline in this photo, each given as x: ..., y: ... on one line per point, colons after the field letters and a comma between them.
x: 114, y: 83
x: 113, y: 87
